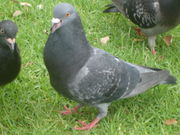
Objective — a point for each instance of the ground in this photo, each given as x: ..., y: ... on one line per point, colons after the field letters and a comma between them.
x: 29, y: 105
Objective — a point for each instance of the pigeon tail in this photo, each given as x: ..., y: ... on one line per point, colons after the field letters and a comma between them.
x: 170, y: 80
x: 151, y: 79
x: 110, y: 8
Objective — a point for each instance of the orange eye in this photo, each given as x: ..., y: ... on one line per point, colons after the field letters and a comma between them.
x: 67, y: 14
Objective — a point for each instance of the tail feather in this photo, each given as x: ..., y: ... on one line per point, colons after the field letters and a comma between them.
x: 110, y: 8
x: 170, y: 80
x: 151, y: 79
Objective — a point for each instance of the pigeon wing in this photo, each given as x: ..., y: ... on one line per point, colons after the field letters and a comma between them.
x: 144, y: 13
x: 103, y: 79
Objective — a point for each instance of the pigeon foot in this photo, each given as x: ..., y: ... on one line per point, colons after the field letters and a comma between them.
x: 70, y: 111
x: 153, y: 51
x: 87, y: 126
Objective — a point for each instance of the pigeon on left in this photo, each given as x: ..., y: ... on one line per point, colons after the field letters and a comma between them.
x: 88, y: 75
x: 10, y: 61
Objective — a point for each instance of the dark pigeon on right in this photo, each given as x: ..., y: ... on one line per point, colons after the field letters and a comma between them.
x: 88, y: 75
x: 152, y: 16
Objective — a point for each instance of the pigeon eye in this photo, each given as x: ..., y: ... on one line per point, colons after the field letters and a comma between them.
x: 67, y: 14
x: 1, y: 31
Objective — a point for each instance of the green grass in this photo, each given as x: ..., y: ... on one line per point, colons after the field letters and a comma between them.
x: 29, y: 105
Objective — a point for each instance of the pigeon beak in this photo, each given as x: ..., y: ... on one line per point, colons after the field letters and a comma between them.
x: 11, y: 42
x: 56, y: 23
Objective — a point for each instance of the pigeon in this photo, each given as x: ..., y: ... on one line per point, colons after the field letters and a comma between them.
x: 152, y: 16
x: 10, y: 60
x: 88, y: 75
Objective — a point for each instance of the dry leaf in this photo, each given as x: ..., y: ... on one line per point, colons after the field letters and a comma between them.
x: 161, y: 57
x: 15, y: 1
x: 139, y: 32
x: 168, y: 40
x: 17, y: 13
x: 27, y: 64
x: 170, y: 122
x: 138, y: 40
x: 40, y: 6
x: 104, y: 40
x: 25, y: 4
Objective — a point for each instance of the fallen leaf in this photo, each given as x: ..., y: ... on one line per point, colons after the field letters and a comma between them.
x: 17, y: 13
x: 40, y: 6
x: 139, y: 32
x: 138, y: 40
x: 15, y: 1
x: 170, y: 122
x: 168, y: 40
x: 27, y: 64
x: 25, y: 4
x: 161, y: 57
x: 104, y: 40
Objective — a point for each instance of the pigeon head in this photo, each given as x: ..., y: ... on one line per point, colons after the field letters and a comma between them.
x: 8, y: 30
x: 63, y: 14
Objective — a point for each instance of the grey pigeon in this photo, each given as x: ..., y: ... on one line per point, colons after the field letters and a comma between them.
x: 152, y: 16
x: 88, y: 75
x: 10, y: 60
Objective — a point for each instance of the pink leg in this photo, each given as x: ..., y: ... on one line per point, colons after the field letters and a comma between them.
x: 87, y: 126
x: 70, y: 111
x: 153, y: 51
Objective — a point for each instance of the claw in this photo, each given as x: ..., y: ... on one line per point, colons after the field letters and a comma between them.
x: 70, y: 111
x: 87, y: 126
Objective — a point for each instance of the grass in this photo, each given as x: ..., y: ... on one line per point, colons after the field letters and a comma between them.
x: 29, y: 105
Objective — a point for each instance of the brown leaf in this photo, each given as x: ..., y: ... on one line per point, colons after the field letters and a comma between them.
x: 168, y: 40
x: 104, y: 40
x: 138, y: 40
x: 27, y: 64
x: 25, y: 4
x: 161, y: 57
x: 15, y: 1
x: 17, y: 13
x: 170, y: 122
x: 139, y: 32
